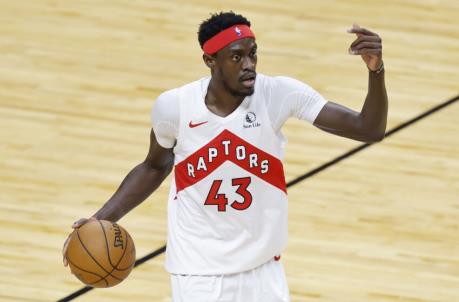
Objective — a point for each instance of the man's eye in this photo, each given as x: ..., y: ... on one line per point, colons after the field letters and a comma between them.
x: 236, y: 58
x: 253, y: 53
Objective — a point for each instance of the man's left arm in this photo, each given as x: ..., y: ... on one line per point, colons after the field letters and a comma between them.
x: 369, y: 125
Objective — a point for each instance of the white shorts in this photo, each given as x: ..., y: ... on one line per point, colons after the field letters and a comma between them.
x: 265, y: 283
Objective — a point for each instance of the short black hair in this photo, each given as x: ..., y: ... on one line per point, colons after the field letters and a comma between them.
x: 218, y: 22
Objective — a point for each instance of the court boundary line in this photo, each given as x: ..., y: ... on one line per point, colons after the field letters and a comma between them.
x: 366, y: 145
x: 297, y: 180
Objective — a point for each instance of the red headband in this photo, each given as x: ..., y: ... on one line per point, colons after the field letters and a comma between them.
x: 227, y: 36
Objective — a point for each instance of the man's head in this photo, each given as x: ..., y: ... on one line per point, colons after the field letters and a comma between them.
x: 230, y: 51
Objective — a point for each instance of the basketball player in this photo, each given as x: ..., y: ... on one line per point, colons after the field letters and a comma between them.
x: 227, y: 208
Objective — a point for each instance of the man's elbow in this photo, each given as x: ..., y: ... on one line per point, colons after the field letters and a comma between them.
x: 375, y: 136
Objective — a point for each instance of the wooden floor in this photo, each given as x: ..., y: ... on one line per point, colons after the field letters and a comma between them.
x: 77, y: 82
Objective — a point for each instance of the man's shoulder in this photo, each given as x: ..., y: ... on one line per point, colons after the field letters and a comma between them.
x: 185, y: 88
x: 168, y: 95
x: 279, y: 79
x: 273, y: 81
x: 283, y: 84
x: 197, y: 84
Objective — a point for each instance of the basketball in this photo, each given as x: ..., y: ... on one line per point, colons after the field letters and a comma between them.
x: 100, y: 253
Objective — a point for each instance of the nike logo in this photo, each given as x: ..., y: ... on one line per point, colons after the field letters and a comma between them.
x: 191, y: 125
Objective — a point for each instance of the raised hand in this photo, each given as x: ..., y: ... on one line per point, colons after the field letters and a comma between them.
x: 368, y: 45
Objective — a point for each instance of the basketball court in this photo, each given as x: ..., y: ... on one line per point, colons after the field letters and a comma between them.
x: 366, y: 222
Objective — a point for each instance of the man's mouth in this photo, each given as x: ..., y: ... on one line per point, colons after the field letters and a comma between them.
x: 249, y: 80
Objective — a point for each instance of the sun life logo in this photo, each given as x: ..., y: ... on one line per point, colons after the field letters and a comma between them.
x: 238, y: 31
x: 251, y: 118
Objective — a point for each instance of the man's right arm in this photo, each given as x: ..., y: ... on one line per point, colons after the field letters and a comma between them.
x: 143, y: 180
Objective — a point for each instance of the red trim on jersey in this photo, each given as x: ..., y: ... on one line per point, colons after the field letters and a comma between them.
x: 274, y: 175
x: 227, y: 36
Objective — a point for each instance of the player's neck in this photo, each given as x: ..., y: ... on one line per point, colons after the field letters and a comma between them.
x: 219, y: 100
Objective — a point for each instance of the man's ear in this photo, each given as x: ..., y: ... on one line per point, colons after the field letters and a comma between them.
x: 209, y: 60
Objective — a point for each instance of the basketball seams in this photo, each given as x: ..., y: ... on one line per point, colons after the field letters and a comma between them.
x: 115, y: 267
x: 124, y: 252
x: 97, y: 257
x: 93, y: 284
x: 106, y: 245
x: 108, y: 250
x: 84, y: 247
x: 92, y: 273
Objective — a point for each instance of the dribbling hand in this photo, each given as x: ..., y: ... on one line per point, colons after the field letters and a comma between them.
x: 368, y: 45
x: 75, y: 225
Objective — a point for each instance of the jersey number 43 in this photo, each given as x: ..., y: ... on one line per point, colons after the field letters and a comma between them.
x: 221, y: 201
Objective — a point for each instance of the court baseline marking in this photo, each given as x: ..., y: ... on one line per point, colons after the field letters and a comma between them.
x: 297, y: 180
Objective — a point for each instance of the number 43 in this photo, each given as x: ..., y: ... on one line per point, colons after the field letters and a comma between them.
x: 220, y: 200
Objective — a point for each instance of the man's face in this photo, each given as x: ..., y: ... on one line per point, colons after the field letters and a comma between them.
x: 236, y: 67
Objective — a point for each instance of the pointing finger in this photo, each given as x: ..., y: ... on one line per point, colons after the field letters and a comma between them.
x: 354, y: 26
x: 361, y: 30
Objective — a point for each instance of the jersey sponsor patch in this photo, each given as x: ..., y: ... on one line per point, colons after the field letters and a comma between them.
x: 251, y: 121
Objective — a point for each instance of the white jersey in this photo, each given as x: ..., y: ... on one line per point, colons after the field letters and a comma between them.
x: 227, y: 207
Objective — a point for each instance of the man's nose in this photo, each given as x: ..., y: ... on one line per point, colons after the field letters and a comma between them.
x: 248, y: 63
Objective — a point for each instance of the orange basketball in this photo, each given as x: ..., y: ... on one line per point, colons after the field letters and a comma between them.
x: 100, y: 253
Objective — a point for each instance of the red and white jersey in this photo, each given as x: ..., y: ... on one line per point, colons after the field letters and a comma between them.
x: 227, y: 208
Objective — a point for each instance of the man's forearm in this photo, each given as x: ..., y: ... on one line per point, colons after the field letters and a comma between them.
x: 374, y: 111
x: 135, y: 188
x: 368, y: 125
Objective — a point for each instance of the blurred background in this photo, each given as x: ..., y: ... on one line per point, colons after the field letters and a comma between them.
x: 78, y: 80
